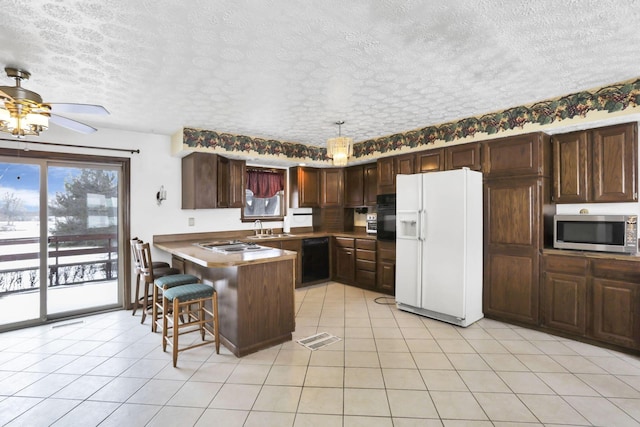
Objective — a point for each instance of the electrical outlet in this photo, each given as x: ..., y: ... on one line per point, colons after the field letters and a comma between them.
x: 192, y: 222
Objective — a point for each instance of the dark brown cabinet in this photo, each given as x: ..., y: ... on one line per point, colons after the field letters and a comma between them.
x: 237, y: 183
x: 370, y: 184
x: 386, y: 172
x: 616, y: 302
x: 597, y: 165
x: 389, y: 167
x: 463, y: 156
x: 210, y: 181
x: 331, y: 187
x: 516, y: 207
x: 366, y: 263
x: 360, y: 186
x: 522, y: 155
x: 354, y: 187
x: 386, y: 267
x: 592, y: 296
x: 405, y: 164
x: 344, y: 257
x: 570, y: 166
x: 564, y: 294
x: 430, y: 160
x: 304, y: 187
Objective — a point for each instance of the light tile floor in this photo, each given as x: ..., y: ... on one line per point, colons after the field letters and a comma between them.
x: 390, y: 369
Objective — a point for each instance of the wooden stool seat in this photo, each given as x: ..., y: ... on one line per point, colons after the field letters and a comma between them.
x: 161, y: 284
x: 142, y: 257
x: 181, y: 299
x: 161, y: 269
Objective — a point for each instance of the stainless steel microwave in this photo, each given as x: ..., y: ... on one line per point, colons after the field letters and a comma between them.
x: 601, y: 233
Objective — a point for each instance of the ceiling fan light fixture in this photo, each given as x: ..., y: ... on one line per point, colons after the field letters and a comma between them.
x: 23, y: 113
x: 37, y: 120
x: 339, y: 148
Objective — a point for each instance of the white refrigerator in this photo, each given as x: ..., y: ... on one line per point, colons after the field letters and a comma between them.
x: 439, y: 245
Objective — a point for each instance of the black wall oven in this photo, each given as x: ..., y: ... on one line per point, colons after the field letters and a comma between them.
x: 386, y: 210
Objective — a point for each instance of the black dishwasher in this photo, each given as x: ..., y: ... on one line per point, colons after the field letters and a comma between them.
x: 315, y: 259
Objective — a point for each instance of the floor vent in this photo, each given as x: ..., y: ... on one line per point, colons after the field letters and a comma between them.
x: 317, y: 341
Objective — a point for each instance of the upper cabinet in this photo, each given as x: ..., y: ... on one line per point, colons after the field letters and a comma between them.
x: 463, y: 156
x: 405, y: 164
x: 521, y: 156
x: 430, y: 160
x: 331, y: 187
x: 598, y: 165
x: 304, y: 185
x: 210, y: 181
x: 386, y: 172
x: 370, y: 184
x: 360, y: 185
x: 237, y: 183
x: 389, y: 167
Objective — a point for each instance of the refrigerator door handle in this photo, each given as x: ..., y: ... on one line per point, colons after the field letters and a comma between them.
x: 423, y: 225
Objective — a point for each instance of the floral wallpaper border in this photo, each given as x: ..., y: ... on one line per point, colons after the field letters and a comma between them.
x: 613, y: 98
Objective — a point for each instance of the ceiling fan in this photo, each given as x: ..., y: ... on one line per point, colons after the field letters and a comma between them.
x: 24, y: 113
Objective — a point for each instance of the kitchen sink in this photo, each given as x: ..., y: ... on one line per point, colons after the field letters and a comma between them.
x: 231, y: 247
x: 269, y: 236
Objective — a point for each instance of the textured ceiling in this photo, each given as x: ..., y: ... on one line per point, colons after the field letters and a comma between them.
x: 288, y: 70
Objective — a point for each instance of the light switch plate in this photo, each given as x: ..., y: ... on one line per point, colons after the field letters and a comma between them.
x: 192, y: 222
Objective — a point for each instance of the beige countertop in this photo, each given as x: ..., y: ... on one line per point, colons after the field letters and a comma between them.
x: 586, y: 254
x: 188, y: 250
x: 184, y: 246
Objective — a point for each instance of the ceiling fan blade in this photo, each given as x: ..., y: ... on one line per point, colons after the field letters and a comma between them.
x: 71, y: 124
x: 57, y: 107
x: 4, y: 95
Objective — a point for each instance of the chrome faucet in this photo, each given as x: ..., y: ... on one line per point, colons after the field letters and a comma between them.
x: 256, y: 224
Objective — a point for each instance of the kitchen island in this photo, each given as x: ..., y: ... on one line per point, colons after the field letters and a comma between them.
x: 255, y: 290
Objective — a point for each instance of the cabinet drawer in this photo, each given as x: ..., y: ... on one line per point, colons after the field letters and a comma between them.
x: 345, y: 242
x: 365, y: 254
x: 613, y: 269
x: 566, y: 264
x: 366, y: 244
x: 365, y: 265
x: 366, y: 278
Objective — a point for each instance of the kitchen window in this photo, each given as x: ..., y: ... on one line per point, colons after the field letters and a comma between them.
x: 264, y: 194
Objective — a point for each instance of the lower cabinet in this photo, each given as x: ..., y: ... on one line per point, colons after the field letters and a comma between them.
x: 344, y: 260
x: 513, y: 293
x: 386, y: 267
x: 366, y: 263
x: 592, y: 297
x: 354, y: 261
x: 564, y: 290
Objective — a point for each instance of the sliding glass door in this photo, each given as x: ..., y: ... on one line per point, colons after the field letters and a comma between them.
x: 59, y: 234
x: 20, y: 242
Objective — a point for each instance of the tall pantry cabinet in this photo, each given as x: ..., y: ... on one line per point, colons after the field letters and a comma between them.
x: 516, y: 206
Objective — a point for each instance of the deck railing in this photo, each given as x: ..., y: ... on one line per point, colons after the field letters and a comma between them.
x: 72, y: 259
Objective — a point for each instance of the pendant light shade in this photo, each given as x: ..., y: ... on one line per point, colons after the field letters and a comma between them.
x: 339, y: 148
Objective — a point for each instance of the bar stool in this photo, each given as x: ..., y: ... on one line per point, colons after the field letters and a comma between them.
x: 149, y: 274
x: 180, y: 300
x: 160, y: 267
x: 161, y: 284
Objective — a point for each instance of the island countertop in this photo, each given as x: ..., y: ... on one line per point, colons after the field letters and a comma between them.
x: 189, y: 250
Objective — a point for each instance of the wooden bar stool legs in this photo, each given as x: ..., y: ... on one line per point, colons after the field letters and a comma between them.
x: 182, y: 300
x: 160, y: 285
